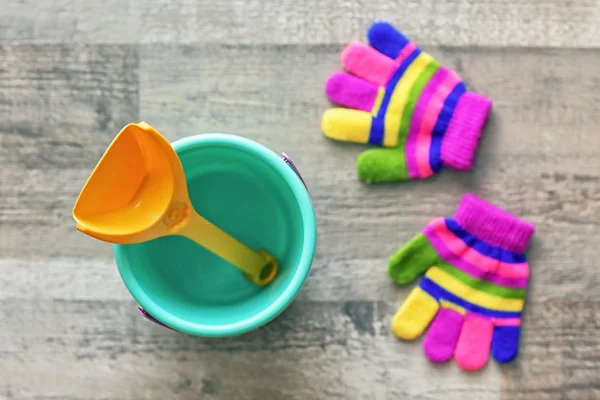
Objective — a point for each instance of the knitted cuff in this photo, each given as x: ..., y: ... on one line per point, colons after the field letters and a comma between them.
x: 462, y: 137
x: 492, y: 224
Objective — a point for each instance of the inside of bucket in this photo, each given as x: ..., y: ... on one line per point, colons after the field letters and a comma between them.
x: 248, y: 198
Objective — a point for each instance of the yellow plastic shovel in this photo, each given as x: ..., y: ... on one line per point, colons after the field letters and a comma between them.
x: 138, y: 192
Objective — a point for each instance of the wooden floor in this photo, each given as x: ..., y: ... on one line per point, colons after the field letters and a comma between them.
x: 73, y: 73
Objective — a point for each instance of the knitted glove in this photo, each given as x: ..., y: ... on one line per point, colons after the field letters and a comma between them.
x: 402, y: 99
x: 474, y: 286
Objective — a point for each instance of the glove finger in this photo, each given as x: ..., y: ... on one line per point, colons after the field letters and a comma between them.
x: 442, y: 336
x: 382, y: 165
x: 505, y: 343
x: 388, y: 40
x: 350, y: 91
x: 411, y: 320
x: 473, y: 348
x: 365, y: 62
x: 347, y: 125
x: 412, y: 259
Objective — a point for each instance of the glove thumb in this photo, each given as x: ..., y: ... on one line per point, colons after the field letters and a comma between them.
x: 412, y: 260
x: 382, y: 165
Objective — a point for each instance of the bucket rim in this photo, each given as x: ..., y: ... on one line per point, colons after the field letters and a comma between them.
x: 304, y: 202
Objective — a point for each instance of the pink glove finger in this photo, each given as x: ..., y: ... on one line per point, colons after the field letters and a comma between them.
x: 365, y: 62
x: 474, y: 343
x: 352, y: 92
x: 443, y: 334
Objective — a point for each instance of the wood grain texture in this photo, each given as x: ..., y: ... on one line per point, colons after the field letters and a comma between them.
x: 560, y: 353
x: 446, y: 22
x: 61, y: 105
x: 317, y: 350
x: 72, y: 74
x: 323, y: 350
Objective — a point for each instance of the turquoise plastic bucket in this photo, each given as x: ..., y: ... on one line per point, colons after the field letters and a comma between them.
x: 257, y: 196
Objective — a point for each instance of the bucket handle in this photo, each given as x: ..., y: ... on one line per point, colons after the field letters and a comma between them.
x: 149, y: 317
x: 291, y: 164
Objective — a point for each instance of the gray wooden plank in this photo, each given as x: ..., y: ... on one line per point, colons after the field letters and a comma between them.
x: 559, y: 358
x: 60, y: 105
x: 36, y: 216
x: 59, y: 108
x: 61, y: 278
x: 347, y: 265
x: 447, y: 22
x: 333, y: 350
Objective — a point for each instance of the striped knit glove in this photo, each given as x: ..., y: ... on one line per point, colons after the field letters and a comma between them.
x: 474, y: 287
x: 402, y: 99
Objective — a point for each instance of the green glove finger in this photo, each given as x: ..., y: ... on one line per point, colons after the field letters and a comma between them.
x: 382, y: 165
x: 412, y: 260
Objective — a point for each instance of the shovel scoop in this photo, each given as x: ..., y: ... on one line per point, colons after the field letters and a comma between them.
x: 138, y: 192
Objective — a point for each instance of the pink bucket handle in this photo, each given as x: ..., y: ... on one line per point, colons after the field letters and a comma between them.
x: 291, y: 164
x: 149, y: 317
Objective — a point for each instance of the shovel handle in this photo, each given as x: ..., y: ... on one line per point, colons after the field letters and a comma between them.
x: 258, y: 266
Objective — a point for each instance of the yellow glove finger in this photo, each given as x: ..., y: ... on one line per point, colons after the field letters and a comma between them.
x: 347, y: 125
x: 411, y: 320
